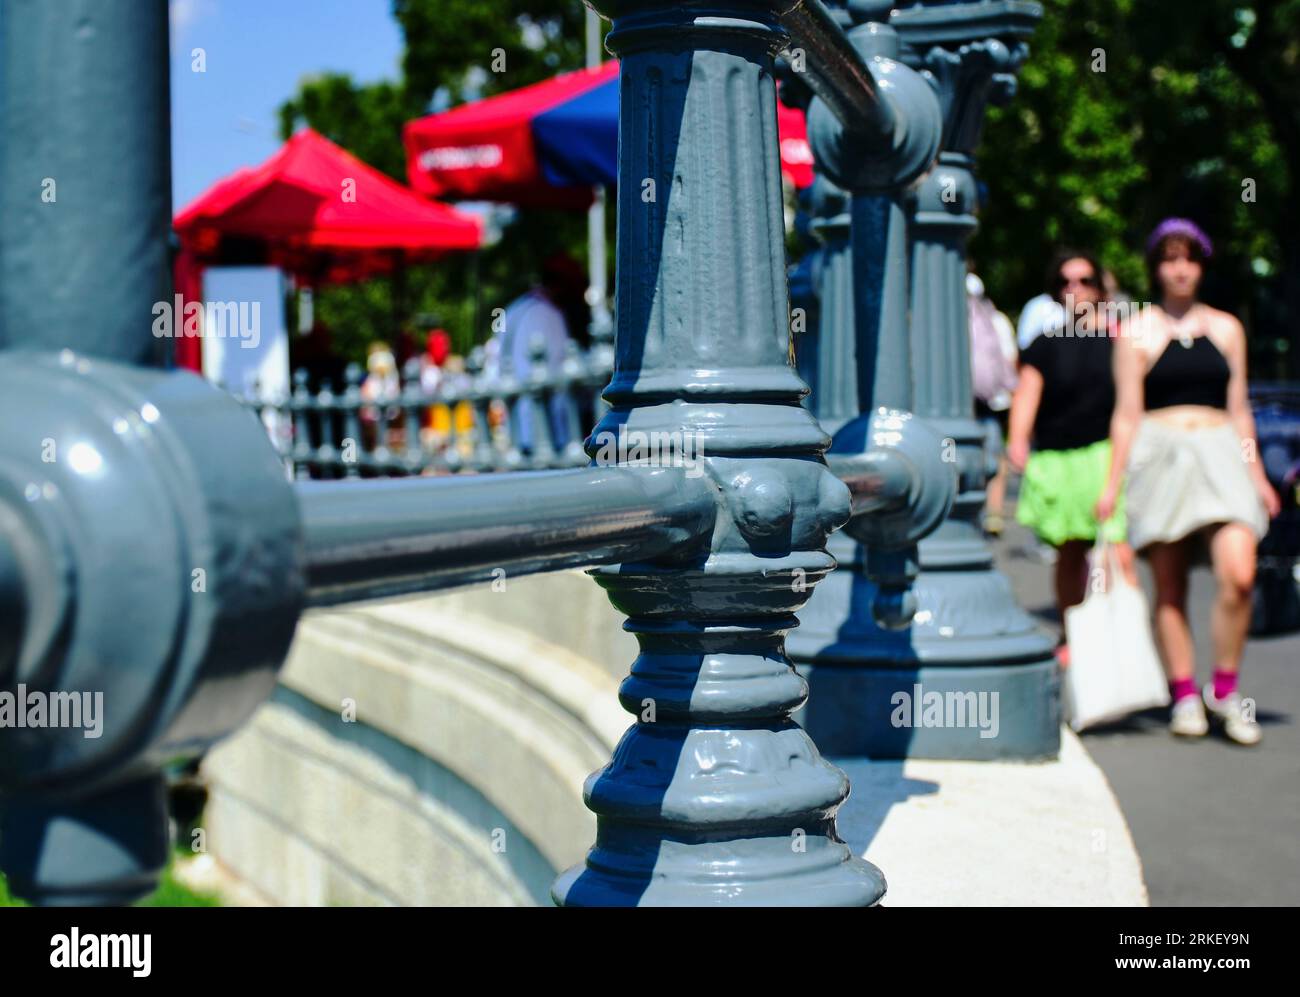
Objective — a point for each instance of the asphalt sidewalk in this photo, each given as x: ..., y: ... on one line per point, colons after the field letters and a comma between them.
x: 1215, y: 824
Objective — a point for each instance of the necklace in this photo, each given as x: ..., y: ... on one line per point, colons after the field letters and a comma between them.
x: 1185, y: 338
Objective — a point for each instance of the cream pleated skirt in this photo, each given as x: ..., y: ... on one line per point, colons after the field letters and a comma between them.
x: 1181, y: 480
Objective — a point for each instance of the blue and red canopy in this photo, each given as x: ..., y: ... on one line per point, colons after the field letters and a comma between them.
x: 545, y: 144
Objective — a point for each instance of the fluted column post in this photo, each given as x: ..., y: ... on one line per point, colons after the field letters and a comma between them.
x: 714, y: 795
x: 861, y: 613
x: 970, y: 635
x: 835, y: 396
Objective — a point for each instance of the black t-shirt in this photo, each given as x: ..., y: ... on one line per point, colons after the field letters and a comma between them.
x: 1078, y: 390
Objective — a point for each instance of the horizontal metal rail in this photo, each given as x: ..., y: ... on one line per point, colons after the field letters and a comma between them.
x: 835, y: 70
x: 376, y: 538
x: 372, y: 539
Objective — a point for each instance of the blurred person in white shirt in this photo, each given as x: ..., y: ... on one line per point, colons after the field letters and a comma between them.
x: 539, y: 317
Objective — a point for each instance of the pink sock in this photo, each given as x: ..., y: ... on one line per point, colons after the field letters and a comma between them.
x: 1182, y: 688
x: 1225, y: 683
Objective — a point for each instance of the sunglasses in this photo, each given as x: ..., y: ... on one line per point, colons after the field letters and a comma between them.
x: 1062, y: 281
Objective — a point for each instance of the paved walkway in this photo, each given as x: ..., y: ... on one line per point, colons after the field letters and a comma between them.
x: 993, y: 834
x: 1215, y: 824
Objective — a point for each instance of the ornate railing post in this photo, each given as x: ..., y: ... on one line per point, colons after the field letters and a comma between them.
x: 970, y: 635
x: 354, y: 444
x: 967, y: 636
x: 864, y: 373
x: 714, y: 795
x: 802, y: 281
x: 300, y: 402
x: 833, y: 375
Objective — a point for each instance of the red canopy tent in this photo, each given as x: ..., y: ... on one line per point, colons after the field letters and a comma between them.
x: 316, y: 211
x: 313, y: 203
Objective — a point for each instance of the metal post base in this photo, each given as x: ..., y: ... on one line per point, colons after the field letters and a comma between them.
x: 755, y: 872
x: 948, y: 712
x: 103, y: 850
x: 969, y: 637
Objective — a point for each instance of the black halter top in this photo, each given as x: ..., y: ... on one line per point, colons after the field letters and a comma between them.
x: 1196, y: 374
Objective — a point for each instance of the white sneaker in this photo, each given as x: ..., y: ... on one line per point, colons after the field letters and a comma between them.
x: 1236, y: 724
x: 1187, y: 719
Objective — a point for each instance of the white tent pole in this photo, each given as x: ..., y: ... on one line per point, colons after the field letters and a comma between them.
x: 597, y: 291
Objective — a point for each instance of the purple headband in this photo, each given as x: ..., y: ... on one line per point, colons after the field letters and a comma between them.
x: 1184, y: 227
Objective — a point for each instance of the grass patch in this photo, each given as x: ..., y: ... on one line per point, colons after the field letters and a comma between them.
x: 170, y: 893
x: 7, y: 899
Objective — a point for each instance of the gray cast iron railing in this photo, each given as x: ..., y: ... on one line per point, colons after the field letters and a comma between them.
x: 152, y: 550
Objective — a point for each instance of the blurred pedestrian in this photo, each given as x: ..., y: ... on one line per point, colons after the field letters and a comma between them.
x: 437, y: 417
x: 993, y: 379
x: 1063, y: 403
x: 1184, y: 434
x: 1111, y: 291
x: 1041, y: 312
x: 315, y: 353
x: 379, y: 389
x: 381, y: 381
x: 537, y: 322
x: 437, y: 348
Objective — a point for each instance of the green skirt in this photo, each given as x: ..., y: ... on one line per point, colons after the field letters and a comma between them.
x: 1059, y: 491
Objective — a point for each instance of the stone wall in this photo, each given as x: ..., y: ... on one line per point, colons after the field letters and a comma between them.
x: 426, y: 751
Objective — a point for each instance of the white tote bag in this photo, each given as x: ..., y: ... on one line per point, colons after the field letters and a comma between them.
x: 1114, y: 668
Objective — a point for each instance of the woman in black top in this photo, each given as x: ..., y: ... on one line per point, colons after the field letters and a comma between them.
x: 1184, y: 434
x: 1064, y: 400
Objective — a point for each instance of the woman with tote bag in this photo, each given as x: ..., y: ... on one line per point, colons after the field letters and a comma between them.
x: 1184, y: 434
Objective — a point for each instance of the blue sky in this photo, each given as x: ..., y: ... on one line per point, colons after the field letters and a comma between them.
x: 256, y: 52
